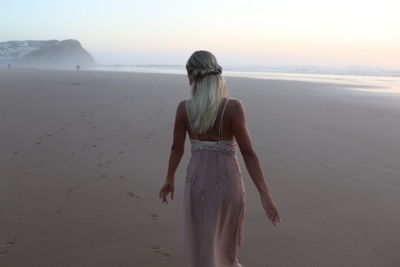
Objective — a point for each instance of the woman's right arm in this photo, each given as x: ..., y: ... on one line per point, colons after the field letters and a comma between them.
x: 242, y: 136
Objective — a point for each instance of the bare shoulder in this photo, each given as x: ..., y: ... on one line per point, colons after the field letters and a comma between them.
x: 235, y: 104
x: 234, y: 101
x: 182, y: 103
x: 180, y: 110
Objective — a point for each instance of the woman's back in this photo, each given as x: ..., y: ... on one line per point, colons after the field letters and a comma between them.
x: 226, y: 126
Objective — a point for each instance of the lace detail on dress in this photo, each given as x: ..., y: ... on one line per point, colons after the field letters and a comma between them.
x: 206, y: 194
x: 224, y: 146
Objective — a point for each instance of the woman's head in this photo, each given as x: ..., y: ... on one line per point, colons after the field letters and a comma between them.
x: 208, y: 89
x: 202, y: 63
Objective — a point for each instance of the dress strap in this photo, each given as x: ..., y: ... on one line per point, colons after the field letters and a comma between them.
x: 221, y: 120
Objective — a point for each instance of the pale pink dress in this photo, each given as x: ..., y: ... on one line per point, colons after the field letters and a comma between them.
x: 214, y: 203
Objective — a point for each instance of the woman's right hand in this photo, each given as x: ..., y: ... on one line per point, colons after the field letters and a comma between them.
x: 167, y: 188
x: 270, y: 207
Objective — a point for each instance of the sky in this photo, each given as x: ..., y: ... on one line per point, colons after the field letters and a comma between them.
x: 251, y: 32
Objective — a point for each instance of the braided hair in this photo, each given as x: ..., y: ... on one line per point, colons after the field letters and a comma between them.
x: 208, y: 90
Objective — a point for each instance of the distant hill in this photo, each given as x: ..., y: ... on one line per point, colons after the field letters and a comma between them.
x: 54, y: 53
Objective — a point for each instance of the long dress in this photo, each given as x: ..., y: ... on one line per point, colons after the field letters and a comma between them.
x: 214, y: 203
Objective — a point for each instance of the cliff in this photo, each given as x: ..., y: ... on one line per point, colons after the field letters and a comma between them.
x: 66, y: 53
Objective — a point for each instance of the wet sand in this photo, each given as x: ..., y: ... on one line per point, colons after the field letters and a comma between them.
x: 83, y: 156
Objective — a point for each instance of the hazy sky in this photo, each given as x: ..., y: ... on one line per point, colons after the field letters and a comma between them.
x: 307, y: 32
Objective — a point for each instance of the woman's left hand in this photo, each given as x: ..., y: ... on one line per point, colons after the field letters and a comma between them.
x: 167, y: 188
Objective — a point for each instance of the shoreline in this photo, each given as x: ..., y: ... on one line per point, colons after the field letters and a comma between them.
x: 368, y: 86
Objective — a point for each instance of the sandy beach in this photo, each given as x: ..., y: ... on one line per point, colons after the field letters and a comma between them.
x: 84, y: 154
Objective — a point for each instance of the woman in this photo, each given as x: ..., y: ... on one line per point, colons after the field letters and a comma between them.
x: 214, y: 196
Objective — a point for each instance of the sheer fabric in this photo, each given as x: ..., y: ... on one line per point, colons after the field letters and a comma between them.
x: 214, y: 203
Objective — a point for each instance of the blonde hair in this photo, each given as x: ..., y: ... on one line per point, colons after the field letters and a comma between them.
x: 208, y: 90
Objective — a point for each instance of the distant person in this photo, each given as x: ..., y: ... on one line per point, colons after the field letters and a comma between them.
x: 214, y: 193
x: 9, y: 66
x: 78, y: 67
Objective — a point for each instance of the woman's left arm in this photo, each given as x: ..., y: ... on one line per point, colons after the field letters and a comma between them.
x: 177, y: 150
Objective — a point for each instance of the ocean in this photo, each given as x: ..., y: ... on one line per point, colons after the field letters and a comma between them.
x: 372, y: 79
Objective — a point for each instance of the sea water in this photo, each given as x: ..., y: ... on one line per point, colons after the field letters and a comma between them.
x: 372, y: 79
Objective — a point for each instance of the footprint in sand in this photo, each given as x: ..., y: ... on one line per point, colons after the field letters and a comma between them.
x: 38, y: 143
x: 296, y: 159
x: 121, y: 152
x: 148, y: 135
x: 154, y: 218
x: 11, y: 242
x: 102, y: 176
x: 42, y: 163
x: 44, y: 236
x: 157, y: 249
x: 70, y: 191
x: 3, y: 251
x: 130, y: 194
x: 375, y: 250
x: 6, y: 245
x: 104, y: 165
x: 325, y: 167
x: 53, y: 214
